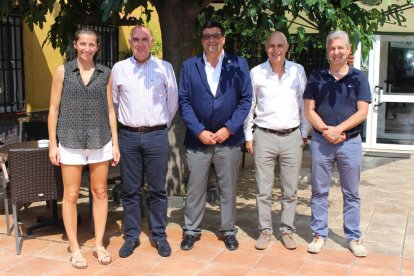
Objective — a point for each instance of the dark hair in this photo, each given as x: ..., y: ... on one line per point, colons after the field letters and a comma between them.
x: 89, y: 31
x: 212, y: 24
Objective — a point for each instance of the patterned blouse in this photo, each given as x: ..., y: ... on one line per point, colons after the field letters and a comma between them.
x: 83, y: 117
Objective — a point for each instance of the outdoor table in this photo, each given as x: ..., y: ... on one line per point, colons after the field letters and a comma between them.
x: 4, y: 150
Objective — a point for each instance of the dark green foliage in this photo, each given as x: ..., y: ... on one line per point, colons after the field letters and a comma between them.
x: 70, y: 14
x: 247, y: 22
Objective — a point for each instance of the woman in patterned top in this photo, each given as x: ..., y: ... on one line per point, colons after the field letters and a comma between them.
x: 82, y: 130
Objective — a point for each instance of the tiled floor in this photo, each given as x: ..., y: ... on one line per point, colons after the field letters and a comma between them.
x: 387, y: 222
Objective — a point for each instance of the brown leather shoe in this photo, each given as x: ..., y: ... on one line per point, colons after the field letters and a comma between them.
x: 288, y: 241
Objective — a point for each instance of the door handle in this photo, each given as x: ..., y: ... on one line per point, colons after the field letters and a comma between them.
x: 388, y: 85
x: 378, y: 91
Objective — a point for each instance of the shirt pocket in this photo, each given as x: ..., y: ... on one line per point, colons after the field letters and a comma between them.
x: 158, y: 88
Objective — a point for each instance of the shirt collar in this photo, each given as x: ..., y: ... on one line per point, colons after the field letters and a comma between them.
x: 75, y: 67
x: 288, y: 64
x: 220, y: 58
x: 351, y: 71
x: 135, y: 62
x: 99, y: 67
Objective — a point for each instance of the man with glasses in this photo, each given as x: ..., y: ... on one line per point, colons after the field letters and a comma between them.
x: 145, y: 98
x: 215, y: 94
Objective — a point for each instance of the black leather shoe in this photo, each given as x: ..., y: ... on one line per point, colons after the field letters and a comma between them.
x: 231, y: 242
x: 188, y: 242
x: 127, y: 248
x: 164, y: 248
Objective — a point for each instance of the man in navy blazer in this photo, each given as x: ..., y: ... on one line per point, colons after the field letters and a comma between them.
x: 215, y: 94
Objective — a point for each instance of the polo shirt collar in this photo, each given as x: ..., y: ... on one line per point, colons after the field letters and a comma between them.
x: 351, y: 71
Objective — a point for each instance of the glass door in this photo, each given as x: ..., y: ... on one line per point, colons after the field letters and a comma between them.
x: 390, y: 124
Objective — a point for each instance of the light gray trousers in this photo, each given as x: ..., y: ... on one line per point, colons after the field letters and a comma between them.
x: 287, y: 151
x: 226, y: 163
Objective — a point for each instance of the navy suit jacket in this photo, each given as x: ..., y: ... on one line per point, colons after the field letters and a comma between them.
x: 200, y: 110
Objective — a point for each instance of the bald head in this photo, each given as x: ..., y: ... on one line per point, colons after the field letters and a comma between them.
x: 141, y: 42
x: 279, y: 36
x: 276, y: 48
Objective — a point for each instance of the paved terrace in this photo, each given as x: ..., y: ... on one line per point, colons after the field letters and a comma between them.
x: 387, y: 194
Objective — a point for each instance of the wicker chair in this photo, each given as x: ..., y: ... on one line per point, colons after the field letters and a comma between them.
x: 32, y: 178
x: 5, y: 180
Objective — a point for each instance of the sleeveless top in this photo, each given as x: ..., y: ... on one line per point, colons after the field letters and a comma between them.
x: 83, y: 121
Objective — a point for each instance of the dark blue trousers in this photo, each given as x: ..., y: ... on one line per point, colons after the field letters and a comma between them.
x: 144, y: 155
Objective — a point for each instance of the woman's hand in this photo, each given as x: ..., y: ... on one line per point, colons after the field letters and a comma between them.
x: 54, y: 155
x: 116, y: 156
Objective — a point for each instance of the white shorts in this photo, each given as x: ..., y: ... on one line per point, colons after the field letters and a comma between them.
x: 85, y: 156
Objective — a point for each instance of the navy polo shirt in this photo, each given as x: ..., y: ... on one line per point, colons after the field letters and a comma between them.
x: 336, y: 101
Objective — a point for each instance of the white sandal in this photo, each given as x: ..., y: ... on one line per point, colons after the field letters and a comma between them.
x: 77, y: 260
x: 104, y: 258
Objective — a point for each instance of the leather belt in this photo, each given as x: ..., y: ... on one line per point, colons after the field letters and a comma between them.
x: 351, y: 136
x: 143, y: 129
x: 279, y: 132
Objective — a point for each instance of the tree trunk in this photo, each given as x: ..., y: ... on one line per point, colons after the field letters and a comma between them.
x: 177, y: 18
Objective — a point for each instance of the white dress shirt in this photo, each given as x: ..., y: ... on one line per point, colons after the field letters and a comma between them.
x: 277, y: 103
x: 213, y: 73
x: 144, y: 94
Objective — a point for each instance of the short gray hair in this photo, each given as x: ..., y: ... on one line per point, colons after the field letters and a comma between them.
x: 338, y: 34
x: 143, y: 27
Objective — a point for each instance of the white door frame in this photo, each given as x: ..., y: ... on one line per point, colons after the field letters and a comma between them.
x: 377, y: 69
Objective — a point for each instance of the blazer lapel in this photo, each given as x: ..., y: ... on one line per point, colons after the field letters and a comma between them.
x: 223, y: 76
x: 202, y: 71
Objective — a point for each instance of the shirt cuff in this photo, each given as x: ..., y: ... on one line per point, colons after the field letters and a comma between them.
x: 248, y: 136
x: 304, y: 132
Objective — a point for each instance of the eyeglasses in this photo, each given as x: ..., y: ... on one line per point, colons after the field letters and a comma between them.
x: 215, y: 36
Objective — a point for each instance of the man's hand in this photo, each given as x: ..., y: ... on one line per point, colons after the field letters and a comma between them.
x: 334, y: 135
x: 249, y: 146
x: 221, y: 135
x: 331, y: 134
x: 305, y: 142
x: 206, y: 137
x: 341, y: 138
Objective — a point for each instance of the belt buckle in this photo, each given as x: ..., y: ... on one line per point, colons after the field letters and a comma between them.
x: 144, y: 129
x: 285, y: 132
